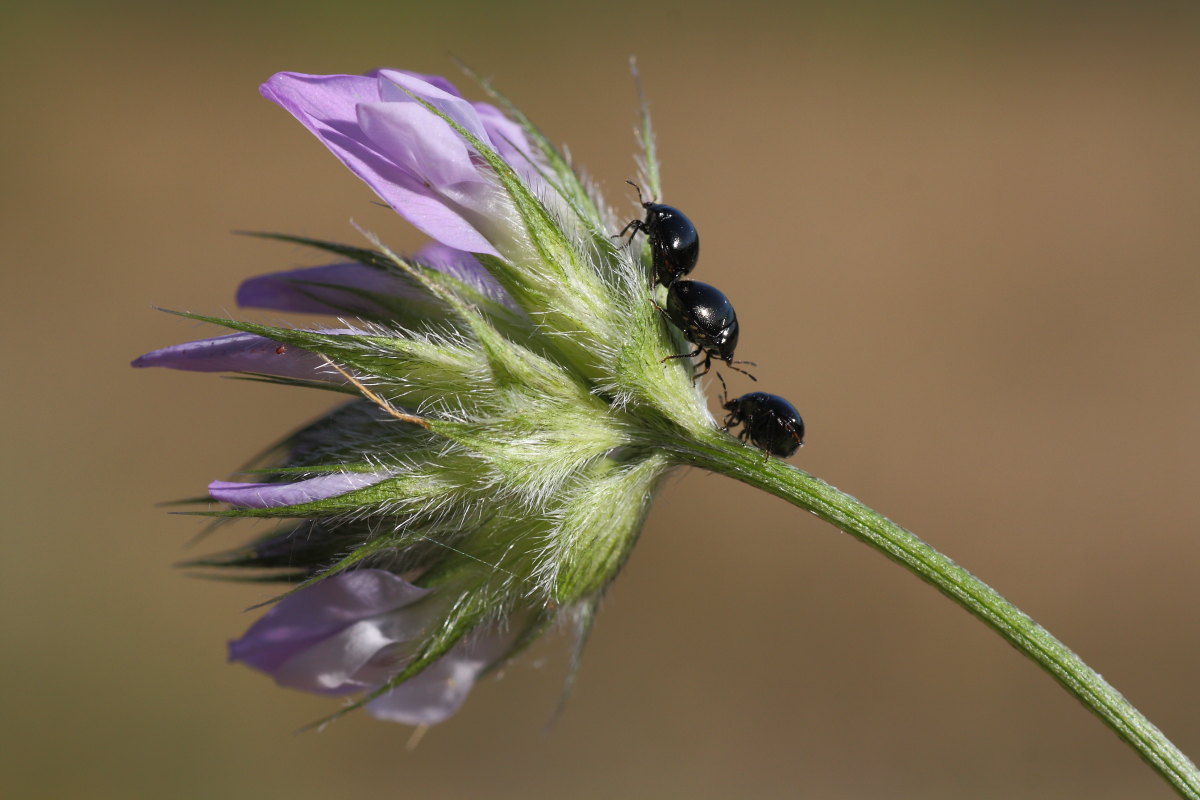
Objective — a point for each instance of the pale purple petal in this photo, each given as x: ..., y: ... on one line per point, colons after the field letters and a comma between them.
x: 337, y: 292
x: 301, y: 620
x: 276, y: 495
x: 364, y: 654
x: 483, y: 120
x: 327, y: 105
x: 241, y: 352
x: 395, y: 87
x: 436, y: 692
x: 420, y: 143
x: 331, y: 664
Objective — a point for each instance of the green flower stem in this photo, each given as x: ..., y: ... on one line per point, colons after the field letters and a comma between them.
x: 721, y: 453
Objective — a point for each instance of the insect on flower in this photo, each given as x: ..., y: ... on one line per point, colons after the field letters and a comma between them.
x: 707, y: 320
x: 674, y: 242
x: 770, y: 422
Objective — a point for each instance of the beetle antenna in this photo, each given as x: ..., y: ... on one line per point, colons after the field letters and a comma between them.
x: 724, y: 388
x: 641, y: 200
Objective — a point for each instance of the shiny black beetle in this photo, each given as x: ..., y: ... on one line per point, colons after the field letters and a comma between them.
x: 674, y: 243
x: 707, y: 320
x: 770, y: 423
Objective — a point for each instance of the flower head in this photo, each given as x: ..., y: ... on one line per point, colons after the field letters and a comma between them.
x: 510, y: 411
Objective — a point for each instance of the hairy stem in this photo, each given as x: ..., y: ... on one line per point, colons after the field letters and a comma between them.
x: 719, y: 452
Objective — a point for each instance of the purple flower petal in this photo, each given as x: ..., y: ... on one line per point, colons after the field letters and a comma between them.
x: 419, y: 142
x: 436, y: 692
x: 241, y: 352
x: 332, y: 664
x: 483, y: 120
x: 301, y: 620
x: 361, y: 655
x: 293, y: 290
x: 395, y: 87
x: 328, y: 106
x: 276, y: 495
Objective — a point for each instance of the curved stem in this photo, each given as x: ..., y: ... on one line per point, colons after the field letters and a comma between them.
x: 719, y: 452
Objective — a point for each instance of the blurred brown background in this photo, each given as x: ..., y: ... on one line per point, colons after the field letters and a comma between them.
x: 962, y: 238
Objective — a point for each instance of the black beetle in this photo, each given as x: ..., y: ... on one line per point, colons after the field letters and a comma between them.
x: 707, y: 320
x: 771, y: 423
x: 674, y: 243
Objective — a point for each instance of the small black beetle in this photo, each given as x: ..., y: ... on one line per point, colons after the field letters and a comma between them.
x: 674, y: 243
x: 707, y: 320
x: 771, y: 423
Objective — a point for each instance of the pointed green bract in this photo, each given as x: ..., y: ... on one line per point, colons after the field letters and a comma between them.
x: 595, y: 530
x: 648, y: 161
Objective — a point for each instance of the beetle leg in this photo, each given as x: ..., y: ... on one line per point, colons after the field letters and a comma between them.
x: 636, y: 224
x: 730, y: 364
x: 692, y: 354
